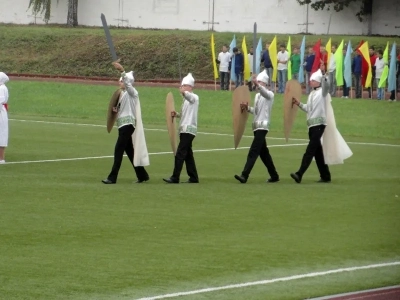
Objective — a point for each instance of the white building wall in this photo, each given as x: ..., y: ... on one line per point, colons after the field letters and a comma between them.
x: 272, y: 16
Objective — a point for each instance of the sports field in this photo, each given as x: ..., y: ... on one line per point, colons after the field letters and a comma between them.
x: 65, y: 235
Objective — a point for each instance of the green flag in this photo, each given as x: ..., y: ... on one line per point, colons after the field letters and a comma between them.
x: 385, y: 73
x: 289, y: 63
x: 339, y: 64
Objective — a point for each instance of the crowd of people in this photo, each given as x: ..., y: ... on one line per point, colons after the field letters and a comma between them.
x: 226, y: 60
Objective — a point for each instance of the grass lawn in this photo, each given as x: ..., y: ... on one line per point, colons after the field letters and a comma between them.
x: 65, y: 235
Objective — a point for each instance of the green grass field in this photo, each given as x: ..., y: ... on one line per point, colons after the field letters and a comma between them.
x: 65, y: 235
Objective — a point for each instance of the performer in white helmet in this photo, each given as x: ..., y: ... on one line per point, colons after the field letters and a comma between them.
x: 326, y: 144
x: 131, y: 139
x: 187, y: 133
x: 3, y: 116
x: 262, y: 113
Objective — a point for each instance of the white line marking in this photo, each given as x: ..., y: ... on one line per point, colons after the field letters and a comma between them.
x: 154, y: 153
x: 269, y: 281
x: 205, y: 133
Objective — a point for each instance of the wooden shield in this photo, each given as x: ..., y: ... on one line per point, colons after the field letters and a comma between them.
x: 240, y: 94
x: 293, y: 89
x: 112, y: 116
x: 172, y: 132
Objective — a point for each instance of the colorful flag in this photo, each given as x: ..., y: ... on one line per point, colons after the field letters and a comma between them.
x: 392, y: 69
x: 385, y: 73
x: 289, y: 63
x: 231, y: 46
x: 347, y: 66
x: 328, y: 49
x: 213, y: 57
x: 339, y: 64
x: 364, y: 50
x: 273, y: 54
x: 317, y: 60
x: 302, y: 53
x: 258, y: 56
x: 246, y: 72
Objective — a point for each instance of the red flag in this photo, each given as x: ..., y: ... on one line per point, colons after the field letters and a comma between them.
x: 6, y: 106
x: 317, y: 52
x: 364, y: 65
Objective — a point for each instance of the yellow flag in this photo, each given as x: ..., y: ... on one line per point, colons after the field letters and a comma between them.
x: 273, y: 55
x: 213, y: 57
x: 328, y: 49
x: 364, y: 50
x: 289, y: 63
x: 246, y: 73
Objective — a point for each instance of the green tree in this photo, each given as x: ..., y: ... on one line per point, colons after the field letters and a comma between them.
x: 44, y: 6
x: 365, y: 6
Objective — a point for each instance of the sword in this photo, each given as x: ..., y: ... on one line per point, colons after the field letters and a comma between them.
x: 108, y: 37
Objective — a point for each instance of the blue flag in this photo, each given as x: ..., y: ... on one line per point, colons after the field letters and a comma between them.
x: 258, y: 56
x: 231, y: 46
x: 347, y: 66
x: 392, y: 69
x: 302, y: 53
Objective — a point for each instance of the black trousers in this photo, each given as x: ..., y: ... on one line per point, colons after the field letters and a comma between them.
x: 184, y: 154
x: 259, y: 148
x: 224, y: 80
x: 314, y: 149
x: 124, y: 144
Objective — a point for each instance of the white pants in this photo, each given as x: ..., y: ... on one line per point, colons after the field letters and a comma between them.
x: 3, y: 126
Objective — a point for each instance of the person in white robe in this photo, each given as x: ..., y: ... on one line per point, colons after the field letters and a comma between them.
x: 187, y: 133
x: 3, y: 116
x: 326, y: 144
x: 131, y: 138
x: 263, y: 102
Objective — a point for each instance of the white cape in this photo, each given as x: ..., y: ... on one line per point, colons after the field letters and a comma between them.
x: 141, y: 155
x: 334, y: 146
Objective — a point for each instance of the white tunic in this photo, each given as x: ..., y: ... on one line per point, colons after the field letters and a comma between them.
x: 316, y: 104
x: 127, y: 104
x: 188, y: 114
x: 263, y: 102
x: 3, y: 116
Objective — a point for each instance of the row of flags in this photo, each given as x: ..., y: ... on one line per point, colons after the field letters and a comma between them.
x: 343, y: 63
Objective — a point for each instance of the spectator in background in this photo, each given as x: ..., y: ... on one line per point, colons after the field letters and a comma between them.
x: 223, y: 60
x: 379, y: 66
x: 345, y: 87
x: 283, y: 58
x: 356, y: 69
x: 295, y: 60
x: 239, y: 66
x: 308, y: 67
x: 372, y: 57
x: 266, y: 59
x: 332, y: 72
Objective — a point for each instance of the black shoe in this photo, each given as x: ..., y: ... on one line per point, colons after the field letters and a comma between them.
x: 142, y: 180
x: 240, y: 178
x: 271, y: 180
x: 107, y: 181
x: 170, y: 180
x: 191, y: 181
x: 296, y: 177
x: 324, y: 180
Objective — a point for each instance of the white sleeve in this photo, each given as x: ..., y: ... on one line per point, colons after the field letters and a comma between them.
x: 3, y: 94
x: 190, y: 97
x: 266, y: 93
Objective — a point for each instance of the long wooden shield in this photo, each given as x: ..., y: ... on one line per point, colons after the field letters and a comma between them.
x: 240, y: 94
x: 292, y: 90
x: 172, y: 132
x: 111, y: 115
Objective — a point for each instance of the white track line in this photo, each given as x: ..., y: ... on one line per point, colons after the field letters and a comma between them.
x: 205, y: 133
x: 269, y: 281
x: 154, y: 153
